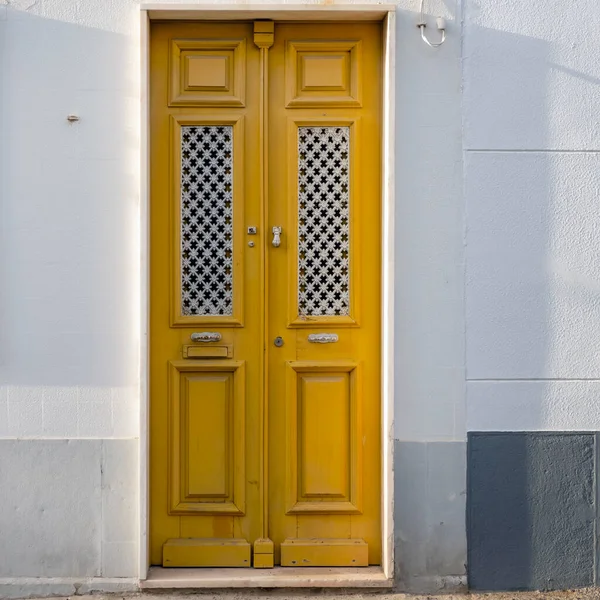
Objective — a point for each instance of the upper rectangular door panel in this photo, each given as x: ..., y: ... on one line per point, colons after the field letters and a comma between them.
x: 208, y: 72
x: 323, y: 73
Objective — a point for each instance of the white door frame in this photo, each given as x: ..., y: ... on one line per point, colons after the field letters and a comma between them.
x: 281, y: 12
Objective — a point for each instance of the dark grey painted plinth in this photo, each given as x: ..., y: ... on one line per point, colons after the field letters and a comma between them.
x: 531, y: 510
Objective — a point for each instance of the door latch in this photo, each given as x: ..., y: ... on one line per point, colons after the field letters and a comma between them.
x: 276, y: 237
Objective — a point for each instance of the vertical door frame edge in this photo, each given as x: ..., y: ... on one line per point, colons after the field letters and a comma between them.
x: 144, y: 237
x: 334, y: 12
x: 388, y: 227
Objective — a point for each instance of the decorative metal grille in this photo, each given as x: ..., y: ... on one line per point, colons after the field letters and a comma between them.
x: 207, y: 220
x: 323, y: 223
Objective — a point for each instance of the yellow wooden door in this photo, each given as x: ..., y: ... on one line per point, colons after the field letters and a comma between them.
x: 205, y: 295
x: 324, y: 294
x: 265, y: 294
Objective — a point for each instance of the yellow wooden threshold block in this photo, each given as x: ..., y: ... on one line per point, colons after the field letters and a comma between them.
x: 209, y: 552
x: 321, y: 552
x: 263, y: 561
x: 263, y: 554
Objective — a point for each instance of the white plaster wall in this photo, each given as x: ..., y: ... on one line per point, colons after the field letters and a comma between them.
x: 69, y: 297
x: 70, y: 243
x: 69, y: 300
x: 527, y: 223
x: 68, y: 509
x: 69, y: 227
x: 429, y: 328
x: 532, y: 182
x: 69, y: 236
x: 70, y: 240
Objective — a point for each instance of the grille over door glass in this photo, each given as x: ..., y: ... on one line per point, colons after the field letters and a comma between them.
x: 323, y: 221
x: 207, y: 220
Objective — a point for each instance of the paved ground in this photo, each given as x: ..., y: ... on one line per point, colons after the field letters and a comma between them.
x: 583, y: 594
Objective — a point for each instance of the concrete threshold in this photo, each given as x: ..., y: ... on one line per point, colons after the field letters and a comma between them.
x: 279, y: 577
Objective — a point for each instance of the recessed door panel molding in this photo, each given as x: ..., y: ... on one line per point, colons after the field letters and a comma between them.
x: 323, y: 438
x: 323, y: 73
x: 207, y: 430
x: 324, y: 273
x: 208, y: 72
x: 208, y: 212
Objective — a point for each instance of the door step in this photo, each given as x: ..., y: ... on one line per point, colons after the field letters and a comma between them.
x: 209, y: 552
x: 279, y: 577
x: 317, y: 552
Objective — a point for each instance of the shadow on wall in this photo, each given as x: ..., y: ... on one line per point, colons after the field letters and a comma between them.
x: 506, y: 285
x: 512, y: 231
x: 69, y: 256
x: 530, y: 518
x: 69, y: 241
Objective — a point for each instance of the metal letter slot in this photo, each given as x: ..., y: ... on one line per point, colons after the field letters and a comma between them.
x: 225, y: 351
x: 206, y: 336
x: 323, y: 338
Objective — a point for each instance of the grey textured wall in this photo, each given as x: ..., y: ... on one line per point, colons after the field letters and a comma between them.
x: 68, y: 508
x: 531, y: 510
x: 430, y: 490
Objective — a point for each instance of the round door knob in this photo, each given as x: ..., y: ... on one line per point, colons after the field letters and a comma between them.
x: 278, y: 341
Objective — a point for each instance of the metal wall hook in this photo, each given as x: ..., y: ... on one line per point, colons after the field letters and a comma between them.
x: 441, y: 25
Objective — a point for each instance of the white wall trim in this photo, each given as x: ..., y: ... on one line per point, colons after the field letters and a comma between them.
x: 388, y: 227
x: 144, y: 450
x: 291, y: 12
x: 279, y: 12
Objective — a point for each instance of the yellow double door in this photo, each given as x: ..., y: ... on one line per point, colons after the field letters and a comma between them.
x: 265, y: 444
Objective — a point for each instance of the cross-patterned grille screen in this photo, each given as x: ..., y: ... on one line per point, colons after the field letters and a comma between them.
x: 207, y: 220
x: 323, y: 221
